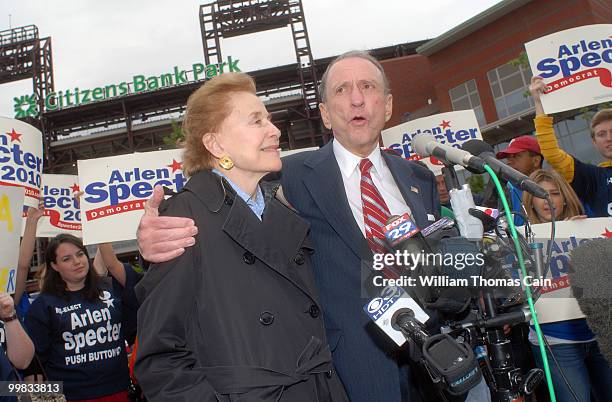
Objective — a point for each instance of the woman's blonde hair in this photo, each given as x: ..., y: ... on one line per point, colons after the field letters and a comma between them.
x: 571, y: 206
x: 207, y: 108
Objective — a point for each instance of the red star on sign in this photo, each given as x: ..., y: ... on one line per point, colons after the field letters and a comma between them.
x: 175, y: 165
x: 75, y: 188
x: 445, y: 124
x: 15, y: 136
x: 607, y: 234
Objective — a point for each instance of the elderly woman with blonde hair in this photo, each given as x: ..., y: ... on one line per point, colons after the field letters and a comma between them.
x: 236, y: 317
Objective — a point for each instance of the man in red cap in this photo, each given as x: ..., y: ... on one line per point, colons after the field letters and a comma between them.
x: 523, y: 154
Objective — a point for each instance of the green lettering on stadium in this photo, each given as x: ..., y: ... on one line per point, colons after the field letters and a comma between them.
x: 27, y: 105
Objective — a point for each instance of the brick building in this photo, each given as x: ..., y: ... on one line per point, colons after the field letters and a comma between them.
x: 469, y: 69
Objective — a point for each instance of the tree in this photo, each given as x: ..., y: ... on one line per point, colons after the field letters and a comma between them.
x: 175, y: 137
x: 476, y: 183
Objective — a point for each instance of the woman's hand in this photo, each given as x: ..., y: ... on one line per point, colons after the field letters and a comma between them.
x: 34, y: 214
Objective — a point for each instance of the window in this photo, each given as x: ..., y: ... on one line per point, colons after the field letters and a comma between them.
x: 509, y: 84
x: 574, y: 137
x: 464, y: 97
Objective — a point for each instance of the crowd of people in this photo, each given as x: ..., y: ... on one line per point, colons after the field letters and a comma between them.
x: 255, y: 287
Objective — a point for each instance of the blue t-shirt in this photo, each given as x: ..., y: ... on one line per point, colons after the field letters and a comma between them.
x: 6, y: 374
x: 82, y: 343
x: 24, y: 305
x: 593, y: 184
x: 568, y: 331
x: 516, y: 202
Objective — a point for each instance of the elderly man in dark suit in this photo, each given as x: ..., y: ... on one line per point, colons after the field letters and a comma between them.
x: 346, y: 190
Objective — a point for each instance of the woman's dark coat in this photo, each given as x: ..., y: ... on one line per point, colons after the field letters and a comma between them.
x: 236, y: 317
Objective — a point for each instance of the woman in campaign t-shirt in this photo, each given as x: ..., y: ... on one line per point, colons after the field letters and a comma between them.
x: 79, y: 323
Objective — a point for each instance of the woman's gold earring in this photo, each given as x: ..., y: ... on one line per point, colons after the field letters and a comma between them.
x: 226, y: 162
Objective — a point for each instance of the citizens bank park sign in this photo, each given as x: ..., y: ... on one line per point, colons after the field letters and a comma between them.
x: 27, y: 105
x: 575, y: 65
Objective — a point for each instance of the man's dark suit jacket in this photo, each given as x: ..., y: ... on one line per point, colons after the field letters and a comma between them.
x: 362, y: 354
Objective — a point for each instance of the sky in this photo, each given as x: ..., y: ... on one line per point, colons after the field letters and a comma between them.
x: 95, y: 43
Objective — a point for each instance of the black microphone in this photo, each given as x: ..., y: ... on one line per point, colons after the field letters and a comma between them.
x: 404, y: 320
x: 512, y: 318
x: 410, y: 247
x: 488, y: 222
x: 518, y: 179
x: 590, y: 278
x: 447, y: 360
x: 426, y: 145
x: 402, y: 234
x: 445, y: 259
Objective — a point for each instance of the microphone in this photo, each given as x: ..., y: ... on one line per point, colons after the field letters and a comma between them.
x: 461, y: 198
x: 382, y: 309
x: 440, y: 257
x: 511, y: 318
x: 401, y: 233
x: 518, y: 179
x: 410, y: 251
x: 447, y: 360
x: 488, y: 221
x: 590, y: 278
x: 461, y: 203
x: 426, y: 145
x: 404, y: 321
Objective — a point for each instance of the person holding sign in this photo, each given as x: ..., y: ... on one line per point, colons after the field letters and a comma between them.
x: 593, y: 184
x: 19, y: 347
x: 26, y: 251
x: 237, y: 315
x: 17, y: 350
x: 572, y: 341
x: 79, y: 323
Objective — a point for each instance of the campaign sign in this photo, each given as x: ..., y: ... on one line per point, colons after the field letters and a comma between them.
x: 62, y: 213
x: 452, y: 128
x: 117, y: 188
x: 575, y: 65
x: 11, y: 204
x: 21, y: 158
x: 556, y: 302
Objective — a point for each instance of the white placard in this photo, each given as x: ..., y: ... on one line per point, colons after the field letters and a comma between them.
x: 21, y: 158
x: 556, y: 302
x: 11, y: 205
x: 575, y: 64
x: 452, y: 128
x: 116, y: 189
x: 62, y: 213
